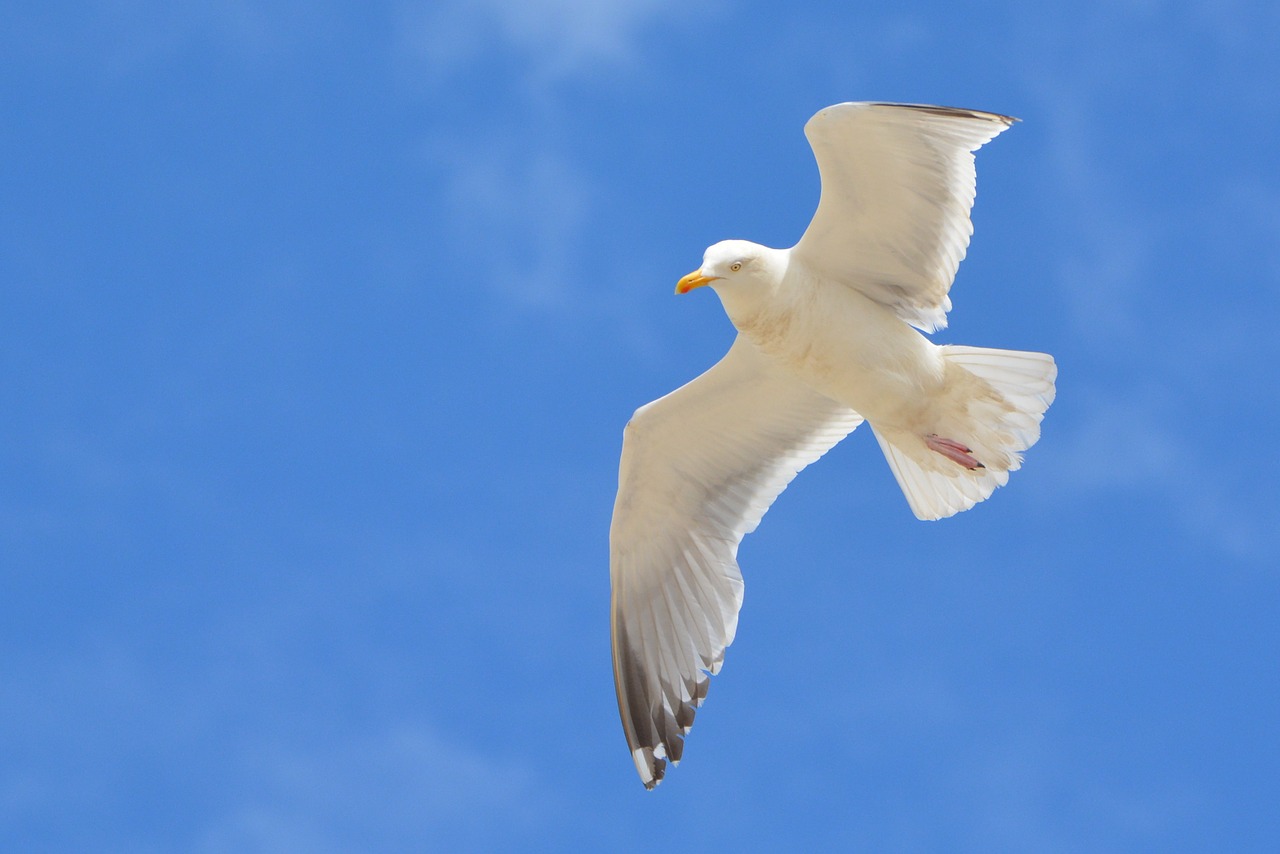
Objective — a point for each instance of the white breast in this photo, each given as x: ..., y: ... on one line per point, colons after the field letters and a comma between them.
x: 845, y: 345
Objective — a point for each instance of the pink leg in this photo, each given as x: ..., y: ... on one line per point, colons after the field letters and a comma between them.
x: 953, y: 450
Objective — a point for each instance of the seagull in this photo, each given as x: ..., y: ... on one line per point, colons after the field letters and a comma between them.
x: 829, y: 334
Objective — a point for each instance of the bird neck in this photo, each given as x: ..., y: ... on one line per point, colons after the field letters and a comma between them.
x: 745, y: 298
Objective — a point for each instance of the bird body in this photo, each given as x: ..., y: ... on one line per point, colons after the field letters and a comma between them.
x: 857, y: 351
x: 835, y: 340
x: 829, y: 335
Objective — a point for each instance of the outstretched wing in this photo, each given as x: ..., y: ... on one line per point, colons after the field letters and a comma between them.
x: 699, y: 469
x: 897, y: 187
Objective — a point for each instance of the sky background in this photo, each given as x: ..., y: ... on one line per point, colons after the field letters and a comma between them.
x: 319, y: 325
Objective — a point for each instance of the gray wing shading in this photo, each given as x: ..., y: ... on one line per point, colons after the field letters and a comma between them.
x: 699, y: 469
x: 897, y: 187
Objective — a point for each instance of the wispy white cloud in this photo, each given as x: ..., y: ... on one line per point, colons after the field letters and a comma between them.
x: 1133, y: 443
x: 400, y: 788
x: 1105, y: 261
x: 1104, y: 128
x: 517, y: 201
x: 555, y: 38
x: 1123, y: 443
x: 323, y: 783
x: 1159, y: 306
x: 122, y: 38
x: 516, y: 213
x: 1030, y: 788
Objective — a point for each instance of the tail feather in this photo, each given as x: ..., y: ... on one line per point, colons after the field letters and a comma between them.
x: 994, y: 402
x: 1024, y: 379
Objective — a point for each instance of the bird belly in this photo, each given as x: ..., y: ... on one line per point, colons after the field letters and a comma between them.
x: 858, y: 352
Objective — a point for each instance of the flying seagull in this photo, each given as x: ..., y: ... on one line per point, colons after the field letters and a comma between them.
x: 829, y: 335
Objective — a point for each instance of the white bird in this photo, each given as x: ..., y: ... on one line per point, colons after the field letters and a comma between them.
x: 825, y: 340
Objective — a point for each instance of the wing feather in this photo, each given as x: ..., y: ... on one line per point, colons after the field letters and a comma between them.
x: 699, y: 469
x: 898, y: 182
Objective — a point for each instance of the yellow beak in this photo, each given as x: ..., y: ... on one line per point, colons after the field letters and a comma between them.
x: 693, y: 280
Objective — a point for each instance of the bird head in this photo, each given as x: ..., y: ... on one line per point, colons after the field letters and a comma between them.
x: 731, y: 262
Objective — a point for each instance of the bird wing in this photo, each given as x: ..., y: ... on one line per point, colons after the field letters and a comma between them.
x: 897, y: 187
x: 699, y: 469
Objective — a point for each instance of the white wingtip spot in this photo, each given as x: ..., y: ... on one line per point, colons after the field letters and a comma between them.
x: 643, y: 757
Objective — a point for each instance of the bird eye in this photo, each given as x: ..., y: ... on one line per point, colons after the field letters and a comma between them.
x: 735, y: 266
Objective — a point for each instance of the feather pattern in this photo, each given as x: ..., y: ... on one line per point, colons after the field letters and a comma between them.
x: 898, y: 182
x: 699, y: 469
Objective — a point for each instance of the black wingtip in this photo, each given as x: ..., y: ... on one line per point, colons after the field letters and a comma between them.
x: 953, y: 112
x: 652, y: 768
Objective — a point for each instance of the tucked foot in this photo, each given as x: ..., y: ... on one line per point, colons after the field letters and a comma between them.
x: 953, y: 450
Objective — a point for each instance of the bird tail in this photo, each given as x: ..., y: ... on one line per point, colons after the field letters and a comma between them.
x: 993, y: 403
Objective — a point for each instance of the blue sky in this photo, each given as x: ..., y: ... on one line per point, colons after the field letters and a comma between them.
x: 320, y: 325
